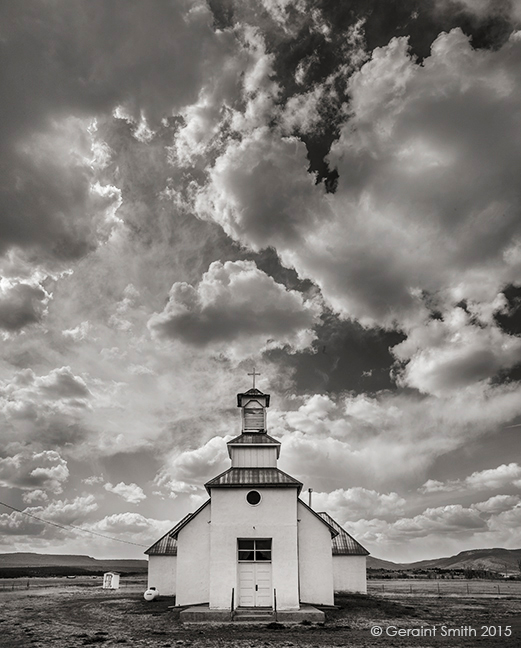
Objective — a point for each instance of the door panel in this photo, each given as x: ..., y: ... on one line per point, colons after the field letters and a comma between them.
x: 263, y: 582
x: 246, y: 584
x: 255, y: 585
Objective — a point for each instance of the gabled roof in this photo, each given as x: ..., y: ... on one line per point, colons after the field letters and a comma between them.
x: 254, y: 439
x: 343, y: 544
x: 332, y: 529
x: 167, y: 545
x: 257, y: 477
x: 253, y: 392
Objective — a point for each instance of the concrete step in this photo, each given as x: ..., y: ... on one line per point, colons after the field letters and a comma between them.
x: 253, y: 614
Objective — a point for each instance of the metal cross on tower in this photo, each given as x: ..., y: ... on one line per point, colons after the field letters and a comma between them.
x: 253, y: 373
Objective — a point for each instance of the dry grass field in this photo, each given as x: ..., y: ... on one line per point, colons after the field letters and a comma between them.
x: 63, y: 613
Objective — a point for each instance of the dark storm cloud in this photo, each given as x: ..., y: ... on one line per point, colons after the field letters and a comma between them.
x: 345, y: 356
x: 75, y: 58
x: 21, y: 305
x: 316, y: 35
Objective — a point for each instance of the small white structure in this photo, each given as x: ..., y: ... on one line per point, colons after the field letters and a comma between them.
x: 254, y: 543
x: 111, y: 580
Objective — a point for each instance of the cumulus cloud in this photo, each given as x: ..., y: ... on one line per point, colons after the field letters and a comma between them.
x: 384, y: 440
x: 238, y: 310
x: 79, y: 332
x: 414, y: 129
x: 387, y: 236
x: 497, y: 504
x: 246, y: 81
x: 39, y: 472
x: 494, y: 522
x: 67, y: 511
x: 35, y: 496
x: 504, y: 476
x: 131, y: 493
x: 44, y: 410
x: 453, y: 353
x: 355, y: 503
x: 429, y: 527
x: 130, y: 526
x: 261, y: 194
x: 436, y: 486
x: 61, y: 512
x: 58, y: 384
x: 185, y: 472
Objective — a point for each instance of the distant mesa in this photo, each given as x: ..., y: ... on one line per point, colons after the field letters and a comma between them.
x: 493, y: 560
x: 14, y: 565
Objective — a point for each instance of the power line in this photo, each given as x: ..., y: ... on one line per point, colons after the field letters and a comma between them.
x: 71, y: 526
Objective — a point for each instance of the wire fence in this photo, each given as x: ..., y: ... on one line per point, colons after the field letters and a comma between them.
x: 386, y: 587
x: 64, y: 582
x: 445, y: 587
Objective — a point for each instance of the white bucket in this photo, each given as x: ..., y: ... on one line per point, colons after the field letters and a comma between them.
x: 151, y: 594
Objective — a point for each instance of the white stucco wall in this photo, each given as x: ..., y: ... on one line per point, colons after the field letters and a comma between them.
x: 193, y: 560
x: 162, y: 574
x: 349, y: 574
x: 253, y: 457
x: 232, y: 518
x: 315, y: 559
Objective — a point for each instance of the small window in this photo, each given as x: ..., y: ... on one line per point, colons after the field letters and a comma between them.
x: 246, y: 549
x: 254, y: 550
x: 253, y: 498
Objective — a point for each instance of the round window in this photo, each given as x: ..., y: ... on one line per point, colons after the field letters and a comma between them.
x: 253, y: 498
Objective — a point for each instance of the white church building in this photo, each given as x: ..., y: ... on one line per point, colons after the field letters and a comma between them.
x: 254, y: 543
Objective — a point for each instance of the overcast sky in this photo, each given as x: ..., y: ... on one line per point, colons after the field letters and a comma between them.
x: 328, y: 191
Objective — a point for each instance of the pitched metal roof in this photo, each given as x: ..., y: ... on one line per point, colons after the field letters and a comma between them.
x: 254, y: 438
x: 167, y: 545
x: 343, y: 544
x: 258, y: 477
x: 253, y: 392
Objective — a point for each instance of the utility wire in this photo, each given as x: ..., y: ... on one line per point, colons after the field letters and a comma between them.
x: 71, y: 526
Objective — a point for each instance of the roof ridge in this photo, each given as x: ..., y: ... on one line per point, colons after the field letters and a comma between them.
x: 344, y: 543
x: 271, y: 477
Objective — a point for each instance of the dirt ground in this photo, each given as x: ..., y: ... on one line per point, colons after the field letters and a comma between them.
x: 74, y: 617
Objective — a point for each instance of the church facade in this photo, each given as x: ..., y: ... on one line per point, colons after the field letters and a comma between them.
x: 254, y: 543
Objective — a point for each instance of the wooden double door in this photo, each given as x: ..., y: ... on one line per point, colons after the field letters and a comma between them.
x: 254, y: 573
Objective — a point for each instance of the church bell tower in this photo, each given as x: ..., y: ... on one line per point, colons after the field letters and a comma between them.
x: 253, y: 404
